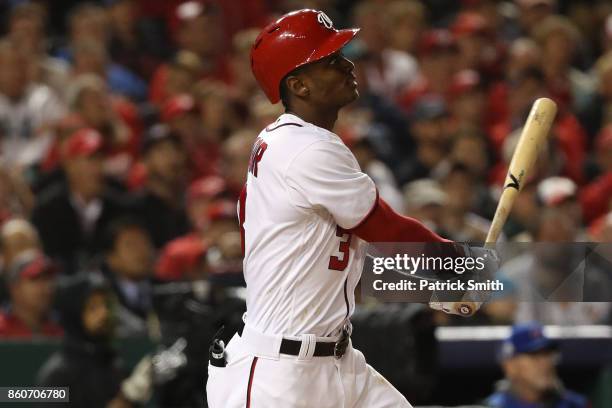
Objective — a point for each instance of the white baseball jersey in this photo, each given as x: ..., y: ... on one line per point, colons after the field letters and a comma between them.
x: 304, y: 189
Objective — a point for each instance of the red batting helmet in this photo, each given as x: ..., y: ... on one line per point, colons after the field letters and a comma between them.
x: 295, y: 39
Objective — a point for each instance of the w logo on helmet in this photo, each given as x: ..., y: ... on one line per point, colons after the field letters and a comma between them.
x: 324, y: 20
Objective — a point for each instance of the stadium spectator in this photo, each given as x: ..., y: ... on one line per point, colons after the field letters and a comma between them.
x: 196, y: 28
x: 553, y: 283
x: 87, y: 51
x: 365, y: 154
x: 478, y: 50
x: 161, y: 201
x: 87, y: 362
x: 559, y: 40
x: 128, y: 267
x: 459, y: 219
x: 429, y: 129
x: 533, y: 12
x: 236, y: 153
x: 424, y: 199
x: 17, y: 235
x: 30, y: 279
x: 16, y: 198
x: 72, y: 216
x: 388, y: 70
x: 26, y: 109
x: 244, y: 86
x: 467, y: 100
x: 437, y: 60
x: 598, y: 114
x: 200, y: 195
x: 216, y: 108
x: 561, y: 193
x: 114, y: 117
x: 137, y: 44
x: 406, y: 21
x: 26, y: 29
x: 528, y: 359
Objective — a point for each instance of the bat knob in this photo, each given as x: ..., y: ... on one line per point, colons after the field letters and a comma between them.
x: 465, y: 310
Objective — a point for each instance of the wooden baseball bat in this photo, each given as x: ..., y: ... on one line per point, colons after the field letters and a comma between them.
x: 533, y: 137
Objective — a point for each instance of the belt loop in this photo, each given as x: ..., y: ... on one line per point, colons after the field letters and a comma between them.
x: 309, y: 342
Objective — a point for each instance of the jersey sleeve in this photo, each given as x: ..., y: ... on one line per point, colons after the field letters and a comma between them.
x: 326, y: 175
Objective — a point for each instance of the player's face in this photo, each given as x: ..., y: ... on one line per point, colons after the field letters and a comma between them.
x: 331, y: 81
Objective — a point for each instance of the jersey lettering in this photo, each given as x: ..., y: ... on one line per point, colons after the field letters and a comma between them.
x: 256, y: 155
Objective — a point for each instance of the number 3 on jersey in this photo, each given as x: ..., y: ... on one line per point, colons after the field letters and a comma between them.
x: 340, y: 263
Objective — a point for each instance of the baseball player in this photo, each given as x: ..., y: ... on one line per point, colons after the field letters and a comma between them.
x: 306, y: 213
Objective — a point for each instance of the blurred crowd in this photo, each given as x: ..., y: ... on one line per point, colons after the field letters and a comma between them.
x: 126, y: 128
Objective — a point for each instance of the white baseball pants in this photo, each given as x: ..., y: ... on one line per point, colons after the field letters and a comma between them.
x: 258, y: 376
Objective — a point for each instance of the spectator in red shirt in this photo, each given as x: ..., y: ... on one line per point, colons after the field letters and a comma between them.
x: 31, y: 286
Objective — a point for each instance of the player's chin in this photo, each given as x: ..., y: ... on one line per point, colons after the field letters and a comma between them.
x: 350, y: 94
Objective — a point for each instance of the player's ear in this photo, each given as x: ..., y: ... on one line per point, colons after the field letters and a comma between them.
x: 296, y: 86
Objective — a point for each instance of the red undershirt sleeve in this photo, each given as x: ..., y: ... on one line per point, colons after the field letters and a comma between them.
x: 383, y: 224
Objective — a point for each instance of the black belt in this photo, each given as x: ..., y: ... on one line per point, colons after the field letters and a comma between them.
x: 322, y: 349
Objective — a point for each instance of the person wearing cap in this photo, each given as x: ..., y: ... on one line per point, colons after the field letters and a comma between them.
x: 306, y: 213
x: 17, y: 235
x: 72, y: 215
x: 187, y: 117
x: 424, y: 199
x: 467, y: 101
x: 31, y: 280
x: 160, y: 202
x: 561, y: 193
x: 528, y: 358
x: 437, y: 55
x: 476, y: 42
x: 429, y: 130
x: 201, y: 193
